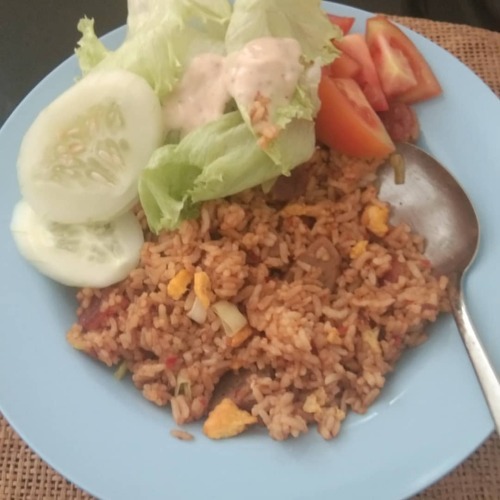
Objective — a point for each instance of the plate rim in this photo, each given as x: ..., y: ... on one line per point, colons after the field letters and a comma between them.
x: 329, y: 6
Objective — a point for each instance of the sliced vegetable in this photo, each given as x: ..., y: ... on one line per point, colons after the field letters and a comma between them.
x: 198, y: 311
x: 393, y: 69
x: 121, y: 371
x: 347, y: 123
x: 230, y: 316
x: 81, y: 158
x: 183, y: 386
x: 343, y: 67
x: 398, y: 164
x: 343, y: 22
x: 241, y: 336
x: 403, y: 70
x: 354, y: 45
x: 92, y: 255
x: 202, y: 291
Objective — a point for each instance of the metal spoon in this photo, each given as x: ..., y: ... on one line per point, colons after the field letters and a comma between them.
x: 436, y: 206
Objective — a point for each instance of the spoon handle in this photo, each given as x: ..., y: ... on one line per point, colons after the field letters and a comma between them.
x: 484, y: 370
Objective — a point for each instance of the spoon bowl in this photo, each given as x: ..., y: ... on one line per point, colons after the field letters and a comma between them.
x: 436, y: 206
x: 432, y: 201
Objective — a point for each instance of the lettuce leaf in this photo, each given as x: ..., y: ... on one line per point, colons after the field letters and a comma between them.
x: 162, y: 37
x: 290, y: 118
x: 305, y: 102
x: 304, y: 21
x: 91, y: 50
x: 225, y: 156
x: 214, y: 161
x: 300, y: 19
x: 212, y: 15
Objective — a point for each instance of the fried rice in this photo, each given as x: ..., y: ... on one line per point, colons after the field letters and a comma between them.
x: 331, y: 291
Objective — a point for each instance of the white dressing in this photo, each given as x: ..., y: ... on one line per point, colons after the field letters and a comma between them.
x: 268, y: 67
x: 200, y: 97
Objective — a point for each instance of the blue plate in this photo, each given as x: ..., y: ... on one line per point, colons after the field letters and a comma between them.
x: 102, y: 435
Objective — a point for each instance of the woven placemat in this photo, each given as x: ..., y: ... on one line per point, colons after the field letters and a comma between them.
x: 23, y: 475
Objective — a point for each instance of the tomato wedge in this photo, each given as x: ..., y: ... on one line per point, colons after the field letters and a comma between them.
x: 401, y: 67
x: 394, y: 70
x: 343, y: 66
x: 355, y: 46
x: 347, y: 123
x: 343, y: 22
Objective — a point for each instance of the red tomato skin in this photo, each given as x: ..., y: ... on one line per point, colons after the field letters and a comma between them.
x: 347, y: 123
x: 394, y: 71
x: 427, y: 85
x: 343, y: 22
x: 343, y: 66
x: 355, y: 46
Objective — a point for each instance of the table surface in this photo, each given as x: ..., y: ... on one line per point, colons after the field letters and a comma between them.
x: 36, y: 36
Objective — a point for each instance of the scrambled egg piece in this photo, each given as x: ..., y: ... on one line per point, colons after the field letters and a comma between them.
x: 178, y: 285
x: 358, y: 249
x: 301, y: 209
x: 315, y: 401
x: 339, y: 414
x: 370, y: 337
x: 375, y: 218
x: 227, y: 420
x: 240, y: 336
x: 333, y: 336
x: 202, y: 288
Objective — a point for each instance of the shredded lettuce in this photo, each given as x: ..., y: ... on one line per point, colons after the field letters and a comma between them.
x: 217, y: 160
x: 163, y: 36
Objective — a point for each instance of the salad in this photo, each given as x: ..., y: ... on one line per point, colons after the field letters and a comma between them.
x: 202, y: 100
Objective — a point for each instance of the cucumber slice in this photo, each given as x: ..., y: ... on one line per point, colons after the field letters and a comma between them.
x: 81, y: 158
x: 81, y: 255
